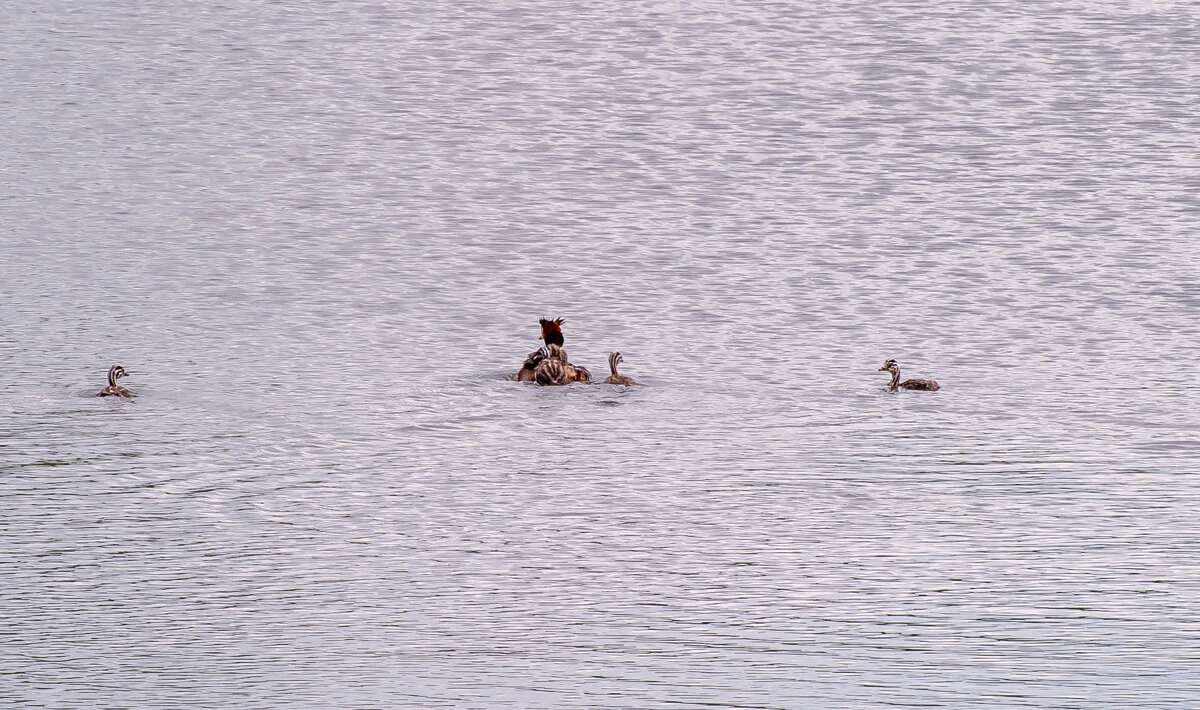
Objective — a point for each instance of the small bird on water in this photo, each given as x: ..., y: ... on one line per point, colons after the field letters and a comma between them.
x: 552, y: 367
x: 614, y: 358
x: 115, y: 373
x: 913, y: 384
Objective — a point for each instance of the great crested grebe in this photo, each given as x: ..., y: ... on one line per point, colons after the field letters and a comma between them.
x: 913, y: 384
x: 552, y: 367
x: 614, y: 358
x: 115, y: 373
x: 552, y: 335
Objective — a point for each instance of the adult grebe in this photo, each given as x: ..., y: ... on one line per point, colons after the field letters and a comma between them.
x: 115, y: 373
x: 552, y: 335
x: 615, y: 378
x: 913, y: 384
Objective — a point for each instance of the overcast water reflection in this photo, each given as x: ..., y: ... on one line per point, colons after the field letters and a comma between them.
x: 319, y: 237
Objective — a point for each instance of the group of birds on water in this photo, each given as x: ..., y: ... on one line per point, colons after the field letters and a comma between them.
x: 548, y: 366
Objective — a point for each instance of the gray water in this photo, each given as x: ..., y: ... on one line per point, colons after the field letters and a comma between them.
x: 320, y: 236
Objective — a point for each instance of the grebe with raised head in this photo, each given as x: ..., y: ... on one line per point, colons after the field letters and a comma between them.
x: 115, y: 373
x: 614, y: 358
x: 913, y: 384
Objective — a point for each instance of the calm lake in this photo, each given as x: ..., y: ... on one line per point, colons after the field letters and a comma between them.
x: 319, y: 236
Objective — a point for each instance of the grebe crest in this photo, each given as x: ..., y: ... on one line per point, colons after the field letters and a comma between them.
x: 115, y: 373
x: 552, y: 335
x: 615, y: 378
x: 912, y: 384
x: 552, y: 330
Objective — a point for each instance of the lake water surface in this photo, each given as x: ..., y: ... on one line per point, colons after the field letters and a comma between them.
x: 320, y: 236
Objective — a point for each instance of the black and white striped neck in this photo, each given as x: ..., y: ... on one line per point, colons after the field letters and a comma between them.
x: 614, y: 359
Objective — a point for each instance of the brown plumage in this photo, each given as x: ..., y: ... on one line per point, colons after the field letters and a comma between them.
x: 525, y: 374
x: 115, y: 373
x: 552, y: 335
x: 614, y: 358
x: 552, y: 330
x: 911, y: 384
x: 553, y: 368
x: 578, y: 373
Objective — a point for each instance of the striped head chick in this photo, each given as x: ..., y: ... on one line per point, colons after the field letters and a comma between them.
x: 525, y: 374
x: 115, y: 373
x: 911, y: 384
x: 552, y: 370
x: 615, y: 378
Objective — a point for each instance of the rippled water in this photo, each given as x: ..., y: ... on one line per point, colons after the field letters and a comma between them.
x: 320, y: 235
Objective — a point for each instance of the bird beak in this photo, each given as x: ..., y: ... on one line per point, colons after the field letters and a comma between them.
x: 881, y: 369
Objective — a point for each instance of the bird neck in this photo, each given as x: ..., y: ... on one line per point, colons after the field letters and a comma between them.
x: 895, y: 377
x: 112, y: 378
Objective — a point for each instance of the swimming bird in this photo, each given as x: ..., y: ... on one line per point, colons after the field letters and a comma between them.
x: 525, y: 374
x: 552, y: 367
x: 913, y: 384
x: 578, y: 373
x: 115, y: 373
x: 552, y: 335
x: 615, y: 378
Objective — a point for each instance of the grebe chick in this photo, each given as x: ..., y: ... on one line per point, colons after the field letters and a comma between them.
x: 913, y: 384
x: 552, y: 335
x: 525, y: 374
x: 552, y: 369
x: 578, y: 373
x: 615, y: 378
x: 115, y: 373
